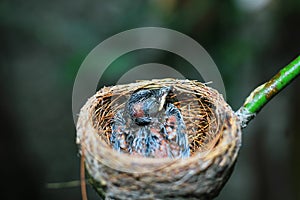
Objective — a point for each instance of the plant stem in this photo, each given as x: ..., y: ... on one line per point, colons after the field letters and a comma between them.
x: 264, y: 93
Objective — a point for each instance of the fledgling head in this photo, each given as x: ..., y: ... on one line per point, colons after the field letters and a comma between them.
x: 145, y: 103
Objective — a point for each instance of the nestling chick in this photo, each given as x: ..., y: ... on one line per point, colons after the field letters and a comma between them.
x: 144, y: 128
x: 145, y: 104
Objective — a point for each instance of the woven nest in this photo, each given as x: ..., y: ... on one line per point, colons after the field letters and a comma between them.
x: 214, y: 138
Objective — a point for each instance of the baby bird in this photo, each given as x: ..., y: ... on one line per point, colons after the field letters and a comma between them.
x: 145, y: 104
x: 149, y: 126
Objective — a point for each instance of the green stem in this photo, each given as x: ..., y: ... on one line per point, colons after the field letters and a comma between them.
x: 264, y: 93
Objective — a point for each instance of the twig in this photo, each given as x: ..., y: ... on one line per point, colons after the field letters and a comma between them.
x: 60, y: 185
x: 264, y: 93
x: 82, y: 176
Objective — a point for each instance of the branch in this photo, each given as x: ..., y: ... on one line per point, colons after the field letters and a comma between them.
x: 264, y: 93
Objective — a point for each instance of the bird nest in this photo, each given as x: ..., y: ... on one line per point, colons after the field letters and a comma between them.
x: 212, y: 132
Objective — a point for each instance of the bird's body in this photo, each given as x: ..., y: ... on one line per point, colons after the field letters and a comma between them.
x: 144, y: 128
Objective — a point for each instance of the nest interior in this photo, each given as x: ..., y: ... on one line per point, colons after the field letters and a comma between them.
x: 195, y: 104
x: 214, y: 138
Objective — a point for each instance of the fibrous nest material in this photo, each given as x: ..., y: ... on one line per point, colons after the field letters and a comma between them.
x: 213, y: 133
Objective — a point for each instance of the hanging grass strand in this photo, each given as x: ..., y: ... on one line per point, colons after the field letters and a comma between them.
x: 264, y: 93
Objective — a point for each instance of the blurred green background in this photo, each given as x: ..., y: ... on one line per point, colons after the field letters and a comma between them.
x: 43, y: 44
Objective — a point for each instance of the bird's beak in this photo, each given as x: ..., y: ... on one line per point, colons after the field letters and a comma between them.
x: 162, y: 101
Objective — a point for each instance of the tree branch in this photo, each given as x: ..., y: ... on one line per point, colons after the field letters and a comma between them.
x: 264, y: 93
